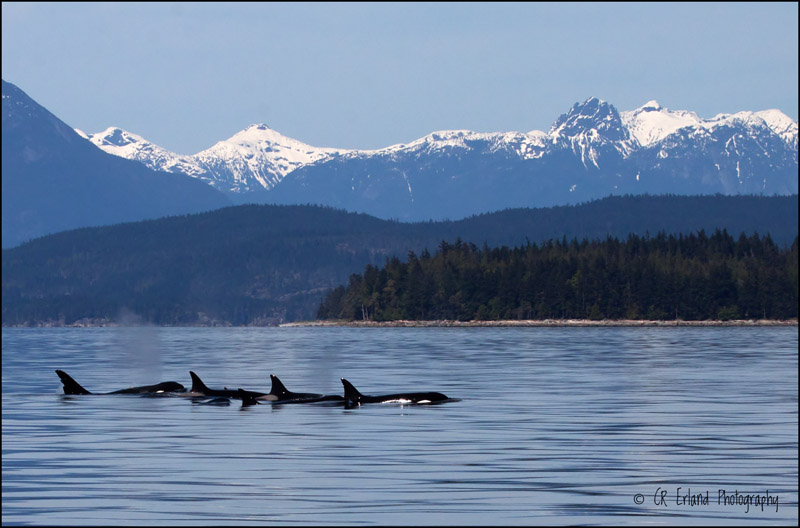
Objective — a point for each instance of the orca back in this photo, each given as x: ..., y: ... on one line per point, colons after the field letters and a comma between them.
x: 70, y: 385
x: 278, y: 389
x: 198, y: 385
x: 282, y: 394
x: 351, y: 394
x: 158, y: 388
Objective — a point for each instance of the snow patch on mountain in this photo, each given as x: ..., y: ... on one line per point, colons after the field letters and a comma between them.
x: 524, y: 145
x: 651, y: 122
x: 773, y: 120
x: 781, y: 124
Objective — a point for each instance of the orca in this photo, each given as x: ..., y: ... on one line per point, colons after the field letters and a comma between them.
x: 284, y: 395
x: 247, y: 398
x: 73, y: 387
x: 199, y: 389
x: 353, y: 397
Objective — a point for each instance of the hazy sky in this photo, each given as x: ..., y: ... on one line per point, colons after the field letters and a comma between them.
x: 371, y: 75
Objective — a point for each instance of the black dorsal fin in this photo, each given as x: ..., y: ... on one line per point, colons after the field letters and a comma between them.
x: 278, y: 389
x: 247, y: 398
x: 350, y: 392
x: 70, y: 385
x: 197, y: 383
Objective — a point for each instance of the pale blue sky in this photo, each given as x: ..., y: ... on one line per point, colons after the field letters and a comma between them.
x: 368, y: 75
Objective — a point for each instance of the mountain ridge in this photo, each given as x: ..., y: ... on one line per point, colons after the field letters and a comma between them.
x: 268, y: 264
x: 253, y: 159
x: 53, y: 179
x: 601, y: 150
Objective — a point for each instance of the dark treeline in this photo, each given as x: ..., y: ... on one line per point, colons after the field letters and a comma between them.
x: 694, y: 277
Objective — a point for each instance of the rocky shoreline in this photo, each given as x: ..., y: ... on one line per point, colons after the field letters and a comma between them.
x: 539, y: 323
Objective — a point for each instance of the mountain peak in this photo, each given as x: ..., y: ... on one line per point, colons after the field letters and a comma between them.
x: 650, y: 106
x: 115, y: 136
x: 781, y: 124
x: 258, y: 133
x: 57, y: 180
x: 18, y: 107
x: 593, y: 114
x: 590, y: 106
x: 651, y: 122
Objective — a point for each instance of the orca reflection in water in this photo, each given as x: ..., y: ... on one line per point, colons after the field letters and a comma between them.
x: 219, y: 401
x: 199, y: 389
x: 354, y: 397
x: 284, y: 395
x: 73, y: 387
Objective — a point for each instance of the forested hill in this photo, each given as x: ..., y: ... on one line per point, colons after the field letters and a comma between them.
x: 268, y: 264
x: 694, y: 277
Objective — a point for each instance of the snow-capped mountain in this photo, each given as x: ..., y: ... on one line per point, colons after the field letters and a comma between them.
x: 591, y: 151
x: 590, y: 130
x: 132, y: 146
x: 258, y: 158
x: 652, y: 123
x: 255, y: 159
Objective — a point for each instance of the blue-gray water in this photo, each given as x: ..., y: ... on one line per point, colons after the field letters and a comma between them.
x: 554, y: 426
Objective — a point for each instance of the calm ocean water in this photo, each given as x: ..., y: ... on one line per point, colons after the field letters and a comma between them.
x: 555, y: 426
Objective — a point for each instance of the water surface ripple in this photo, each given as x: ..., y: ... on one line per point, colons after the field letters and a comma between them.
x: 555, y: 426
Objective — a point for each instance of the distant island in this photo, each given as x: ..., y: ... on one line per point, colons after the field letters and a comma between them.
x: 661, y: 278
